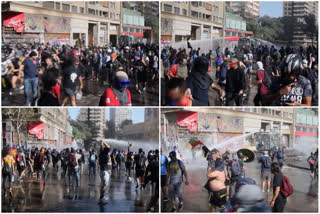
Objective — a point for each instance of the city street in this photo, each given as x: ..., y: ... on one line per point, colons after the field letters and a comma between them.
x: 55, y: 196
x: 91, y: 96
x: 305, y: 189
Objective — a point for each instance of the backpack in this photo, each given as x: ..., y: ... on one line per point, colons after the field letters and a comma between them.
x: 267, y: 162
x: 6, y: 168
x: 279, y: 154
x: 93, y: 158
x: 19, y: 158
x: 287, y: 189
x: 141, y: 162
x: 118, y: 157
x: 266, y: 80
x: 72, y: 160
x: 235, y: 168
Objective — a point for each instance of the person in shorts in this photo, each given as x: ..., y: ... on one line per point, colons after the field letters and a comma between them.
x: 176, y: 172
x: 265, y: 161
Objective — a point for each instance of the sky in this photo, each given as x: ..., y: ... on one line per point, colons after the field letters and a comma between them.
x: 137, y: 114
x: 271, y: 8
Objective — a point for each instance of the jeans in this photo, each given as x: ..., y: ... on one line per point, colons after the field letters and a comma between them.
x: 74, y: 171
x: 4, y: 180
x: 92, y: 168
x: 28, y: 84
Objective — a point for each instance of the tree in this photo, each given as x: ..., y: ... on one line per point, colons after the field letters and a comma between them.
x: 83, y: 130
x: 20, y: 118
x: 125, y: 123
x: 110, y: 132
x: 309, y: 27
x: 289, y: 25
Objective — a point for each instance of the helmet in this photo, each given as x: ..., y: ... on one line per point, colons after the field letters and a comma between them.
x: 201, y: 64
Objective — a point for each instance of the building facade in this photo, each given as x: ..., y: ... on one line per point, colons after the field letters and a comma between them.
x: 151, y: 114
x: 306, y: 124
x: 46, y: 128
x: 97, y: 117
x: 248, y: 9
x: 118, y: 115
x: 299, y: 9
x: 86, y: 23
x: 236, y: 26
x: 200, y: 20
x: 217, y: 127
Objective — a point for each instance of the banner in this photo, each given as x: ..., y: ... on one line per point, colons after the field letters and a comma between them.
x: 37, y: 128
x: 14, y: 20
x: 189, y: 119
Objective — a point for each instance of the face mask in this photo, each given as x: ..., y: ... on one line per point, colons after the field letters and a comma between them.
x: 124, y: 83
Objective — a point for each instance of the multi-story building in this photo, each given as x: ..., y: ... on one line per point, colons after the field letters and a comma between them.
x: 237, y: 125
x: 299, y: 9
x: 306, y: 125
x: 236, y: 26
x: 46, y: 128
x: 151, y: 114
x: 97, y: 118
x: 58, y: 22
x: 118, y: 115
x: 200, y: 20
x: 247, y: 9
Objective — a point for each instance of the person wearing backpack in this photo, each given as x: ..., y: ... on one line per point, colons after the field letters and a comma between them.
x: 39, y: 162
x: 312, y: 163
x: 92, y: 162
x: 73, y: 167
x: 8, y: 172
x: 176, y: 172
x: 280, y: 156
x: 263, y: 84
x: 279, y: 200
x: 265, y: 161
x: 140, y: 166
x: 236, y: 167
x: 21, y: 163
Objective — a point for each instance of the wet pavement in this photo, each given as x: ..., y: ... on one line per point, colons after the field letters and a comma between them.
x: 91, y: 95
x: 56, y: 196
x: 304, y: 198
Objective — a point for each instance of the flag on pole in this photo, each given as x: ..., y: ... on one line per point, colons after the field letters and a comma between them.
x: 195, y: 142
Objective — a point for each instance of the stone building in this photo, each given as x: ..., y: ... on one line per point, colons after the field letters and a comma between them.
x: 58, y: 22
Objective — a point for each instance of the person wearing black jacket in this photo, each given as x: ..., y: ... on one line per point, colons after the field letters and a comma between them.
x: 199, y: 82
x: 235, y: 83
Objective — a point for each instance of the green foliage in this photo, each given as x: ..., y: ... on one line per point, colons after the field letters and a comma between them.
x: 20, y: 118
x: 110, y: 132
x: 125, y: 123
x: 309, y: 26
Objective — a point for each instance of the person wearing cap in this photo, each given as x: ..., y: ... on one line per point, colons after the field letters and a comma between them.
x: 235, y: 84
x: 111, y: 68
x: 31, y: 79
x: 118, y: 94
x: 265, y: 161
x: 71, y: 77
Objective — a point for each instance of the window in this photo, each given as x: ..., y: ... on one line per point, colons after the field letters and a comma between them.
x: 167, y: 8
x: 66, y: 7
x: 74, y: 9
x: 184, y: 12
x: 194, y: 14
x: 48, y: 4
x: 100, y: 13
x: 82, y: 10
x: 106, y: 14
x: 58, y: 6
x: 195, y: 4
x: 91, y: 11
x: 177, y: 10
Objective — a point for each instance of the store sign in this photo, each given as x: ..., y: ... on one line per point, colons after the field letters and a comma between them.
x: 15, y: 21
x: 37, y: 129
